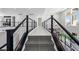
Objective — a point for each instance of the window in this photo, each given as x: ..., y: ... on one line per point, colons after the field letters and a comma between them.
x: 72, y: 17
x: 77, y: 16
x: 68, y: 18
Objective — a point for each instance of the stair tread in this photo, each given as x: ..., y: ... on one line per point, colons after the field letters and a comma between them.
x: 39, y: 47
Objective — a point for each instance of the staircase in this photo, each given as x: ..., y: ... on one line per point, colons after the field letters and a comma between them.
x: 39, y: 43
x: 39, y: 40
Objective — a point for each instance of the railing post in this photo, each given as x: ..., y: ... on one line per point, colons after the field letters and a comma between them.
x: 52, y: 24
x: 34, y: 24
x: 9, y: 40
x: 26, y: 23
x: 13, y: 21
x: 44, y: 24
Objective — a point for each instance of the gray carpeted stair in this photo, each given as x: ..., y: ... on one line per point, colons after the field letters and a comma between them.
x: 39, y: 43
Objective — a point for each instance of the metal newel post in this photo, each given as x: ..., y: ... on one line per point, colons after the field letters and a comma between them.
x: 34, y: 24
x: 44, y: 24
x: 9, y: 40
x: 26, y: 23
x: 52, y: 24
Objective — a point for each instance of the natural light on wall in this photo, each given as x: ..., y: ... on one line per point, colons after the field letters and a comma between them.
x: 72, y: 17
x: 68, y: 18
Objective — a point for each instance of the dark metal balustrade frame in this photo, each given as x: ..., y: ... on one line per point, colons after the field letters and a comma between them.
x: 56, y: 39
x: 10, y: 33
x: 71, y: 36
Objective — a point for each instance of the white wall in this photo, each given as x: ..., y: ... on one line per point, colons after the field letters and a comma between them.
x: 70, y: 28
x: 17, y: 17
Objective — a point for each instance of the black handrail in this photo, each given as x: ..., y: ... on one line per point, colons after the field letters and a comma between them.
x: 34, y: 22
x: 72, y: 37
x: 10, y: 35
x: 23, y: 38
x: 21, y: 42
x: 54, y: 35
x: 52, y: 29
x: 19, y: 25
x: 3, y: 46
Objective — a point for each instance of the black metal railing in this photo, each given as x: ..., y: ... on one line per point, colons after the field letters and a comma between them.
x: 3, y: 46
x: 72, y: 37
x: 23, y: 38
x: 56, y: 35
x: 10, y: 35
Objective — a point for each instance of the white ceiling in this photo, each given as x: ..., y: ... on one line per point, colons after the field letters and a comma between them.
x: 33, y: 12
